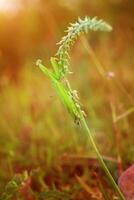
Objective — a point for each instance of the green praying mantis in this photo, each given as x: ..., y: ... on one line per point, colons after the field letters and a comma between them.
x: 67, y: 96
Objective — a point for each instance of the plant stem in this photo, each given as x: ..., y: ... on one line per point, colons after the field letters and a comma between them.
x: 90, y: 137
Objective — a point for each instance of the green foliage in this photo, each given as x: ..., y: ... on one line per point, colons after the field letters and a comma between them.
x: 12, y: 187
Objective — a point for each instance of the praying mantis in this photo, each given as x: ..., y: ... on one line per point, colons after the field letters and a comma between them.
x: 67, y: 96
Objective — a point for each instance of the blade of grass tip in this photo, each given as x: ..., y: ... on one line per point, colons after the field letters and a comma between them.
x: 125, y: 114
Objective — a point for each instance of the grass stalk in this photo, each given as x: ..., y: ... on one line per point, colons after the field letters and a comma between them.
x: 69, y: 97
x: 100, y: 159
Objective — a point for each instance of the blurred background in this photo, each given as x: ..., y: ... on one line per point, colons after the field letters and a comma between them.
x: 36, y: 132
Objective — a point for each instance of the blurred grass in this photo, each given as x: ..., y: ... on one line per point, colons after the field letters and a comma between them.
x: 35, y: 130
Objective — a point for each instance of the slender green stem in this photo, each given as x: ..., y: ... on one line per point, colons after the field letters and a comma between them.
x: 112, y: 181
x: 69, y: 97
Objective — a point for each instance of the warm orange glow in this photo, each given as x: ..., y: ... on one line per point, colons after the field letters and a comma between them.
x: 10, y: 5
